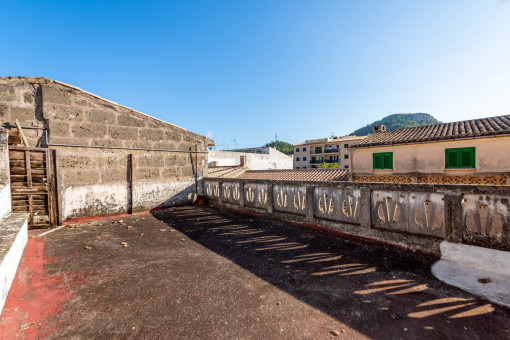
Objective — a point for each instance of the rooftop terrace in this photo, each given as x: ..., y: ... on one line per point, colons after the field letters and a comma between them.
x: 202, y: 272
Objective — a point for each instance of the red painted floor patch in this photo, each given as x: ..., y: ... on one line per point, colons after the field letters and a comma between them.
x: 34, y: 297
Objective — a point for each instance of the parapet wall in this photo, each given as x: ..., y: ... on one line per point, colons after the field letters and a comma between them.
x: 94, y: 138
x: 414, y: 216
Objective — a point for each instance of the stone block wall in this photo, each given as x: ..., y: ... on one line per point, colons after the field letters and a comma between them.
x: 95, y: 180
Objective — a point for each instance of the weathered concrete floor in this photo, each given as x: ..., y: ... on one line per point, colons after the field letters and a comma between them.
x: 222, y: 275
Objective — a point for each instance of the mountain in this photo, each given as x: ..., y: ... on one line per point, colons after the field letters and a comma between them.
x: 399, y: 121
x: 283, y: 147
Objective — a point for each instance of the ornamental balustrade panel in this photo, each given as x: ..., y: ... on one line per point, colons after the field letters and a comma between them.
x: 413, y: 212
x: 212, y: 190
x: 486, y: 218
x: 256, y: 195
x: 231, y: 192
x: 288, y: 198
x: 337, y: 204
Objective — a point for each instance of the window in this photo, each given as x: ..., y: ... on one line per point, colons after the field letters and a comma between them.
x: 297, y: 149
x: 297, y: 159
x: 346, y: 167
x: 304, y: 149
x: 346, y: 156
x: 461, y: 158
x: 346, y: 145
x: 383, y: 160
x: 297, y: 167
x: 304, y: 158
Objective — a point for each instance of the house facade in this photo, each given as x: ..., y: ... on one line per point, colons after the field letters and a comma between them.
x: 314, y: 152
x: 466, y: 152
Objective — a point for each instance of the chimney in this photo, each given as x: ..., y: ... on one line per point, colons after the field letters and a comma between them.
x: 378, y: 128
x: 243, y: 160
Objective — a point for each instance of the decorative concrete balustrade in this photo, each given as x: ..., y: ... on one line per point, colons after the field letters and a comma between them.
x: 415, y: 216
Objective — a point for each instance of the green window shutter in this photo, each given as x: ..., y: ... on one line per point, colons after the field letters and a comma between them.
x: 376, y: 161
x: 460, y: 158
x: 388, y: 161
x: 452, y: 158
x: 383, y: 160
x: 467, y: 158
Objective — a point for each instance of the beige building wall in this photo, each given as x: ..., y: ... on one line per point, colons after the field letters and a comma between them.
x: 492, y: 158
x: 342, y: 155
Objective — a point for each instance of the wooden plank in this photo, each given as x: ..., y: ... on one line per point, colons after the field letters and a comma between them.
x: 30, y: 211
x: 58, y: 197
x: 17, y: 164
x: 16, y: 155
x: 37, y: 156
x: 52, y: 214
x: 22, y: 148
x: 29, y: 174
x: 31, y: 190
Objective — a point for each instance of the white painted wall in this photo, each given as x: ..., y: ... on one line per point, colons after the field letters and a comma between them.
x: 5, y: 201
x: 5, y: 187
x: 462, y: 266
x: 14, y: 237
x: 254, y: 161
x: 108, y: 199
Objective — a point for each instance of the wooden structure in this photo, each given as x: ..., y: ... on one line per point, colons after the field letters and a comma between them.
x: 34, y: 185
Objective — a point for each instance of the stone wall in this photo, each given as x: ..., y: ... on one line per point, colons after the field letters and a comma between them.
x: 95, y: 180
x: 414, y: 216
x: 5, y: 188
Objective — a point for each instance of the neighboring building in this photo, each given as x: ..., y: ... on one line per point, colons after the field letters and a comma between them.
x: 314, y: 152
x: 259, y: 159
x: 467, y: 152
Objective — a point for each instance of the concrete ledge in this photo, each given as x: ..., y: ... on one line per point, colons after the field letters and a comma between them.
x: 462, y: 265
x: 13, y: 238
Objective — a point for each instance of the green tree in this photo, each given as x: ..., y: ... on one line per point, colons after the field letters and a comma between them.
x: 329, y: 165
x: 283, y: 147
x: 399, y: 121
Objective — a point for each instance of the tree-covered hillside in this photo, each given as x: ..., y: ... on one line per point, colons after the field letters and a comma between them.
x: 399, y: 121
x: 283, y: 147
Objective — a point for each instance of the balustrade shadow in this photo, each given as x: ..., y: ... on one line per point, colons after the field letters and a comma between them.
x: 379, y: 291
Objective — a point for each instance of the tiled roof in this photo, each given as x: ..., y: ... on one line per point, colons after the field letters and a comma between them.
x: 321, y: 175
x: 226, y: 171
x: 465, y: 129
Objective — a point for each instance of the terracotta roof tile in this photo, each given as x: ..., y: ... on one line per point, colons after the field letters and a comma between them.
x: 464, y: 129
x: 320, y: 175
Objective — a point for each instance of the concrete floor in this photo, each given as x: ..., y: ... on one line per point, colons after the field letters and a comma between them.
x: 205, y: 273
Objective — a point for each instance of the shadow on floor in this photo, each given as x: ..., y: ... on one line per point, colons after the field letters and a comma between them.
x: 371, y: 288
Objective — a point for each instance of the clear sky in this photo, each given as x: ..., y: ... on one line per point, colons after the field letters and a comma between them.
x: 246, y: 70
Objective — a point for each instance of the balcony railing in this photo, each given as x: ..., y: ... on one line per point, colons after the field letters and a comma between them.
x: 316, y: 161
x: 331, y: 161
x: 330, y: 150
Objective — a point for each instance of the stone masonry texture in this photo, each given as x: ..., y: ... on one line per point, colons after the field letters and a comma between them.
x: 73, y: 116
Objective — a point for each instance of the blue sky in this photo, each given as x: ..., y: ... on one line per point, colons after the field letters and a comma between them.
x: 245, y: 70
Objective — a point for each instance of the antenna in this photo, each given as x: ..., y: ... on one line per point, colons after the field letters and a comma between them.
x: 235, y: 143
x: 332, y: 134
x: 275, y: 137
